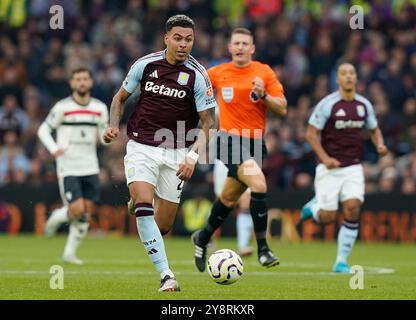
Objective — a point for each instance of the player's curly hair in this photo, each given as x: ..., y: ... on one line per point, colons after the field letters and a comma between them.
x: 179, y: 20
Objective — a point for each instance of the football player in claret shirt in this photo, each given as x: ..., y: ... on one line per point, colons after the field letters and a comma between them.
x: 245, y: 90
x: 175, y: 92
x: 335, y: 134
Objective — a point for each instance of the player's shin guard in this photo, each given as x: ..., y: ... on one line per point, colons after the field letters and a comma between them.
x: 219, y: 213
x: 258, y: 209
x: 78, y: 229
x: 151, y: 237
x: 346, y: 238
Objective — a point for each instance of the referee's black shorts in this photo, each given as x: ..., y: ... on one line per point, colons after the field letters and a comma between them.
x: 233, y: 150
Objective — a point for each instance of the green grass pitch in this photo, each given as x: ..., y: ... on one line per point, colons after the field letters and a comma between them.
x: 118, y: 268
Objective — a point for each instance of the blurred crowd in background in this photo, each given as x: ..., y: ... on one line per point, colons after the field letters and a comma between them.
x: 301, y: 40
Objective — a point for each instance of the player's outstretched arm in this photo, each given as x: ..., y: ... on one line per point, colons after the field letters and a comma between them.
x: 313, y: 137
x: 378, y: 141
x: 116, y: 112
x: 207, y: 119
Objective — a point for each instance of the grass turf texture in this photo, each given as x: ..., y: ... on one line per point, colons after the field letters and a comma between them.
x: 119, y: 269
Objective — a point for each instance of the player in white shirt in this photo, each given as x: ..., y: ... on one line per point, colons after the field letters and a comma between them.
x: 79, y: 121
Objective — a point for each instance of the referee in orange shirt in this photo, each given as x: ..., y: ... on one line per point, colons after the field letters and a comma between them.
x: 245, y: 90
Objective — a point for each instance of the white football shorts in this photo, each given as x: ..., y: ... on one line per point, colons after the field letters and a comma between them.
x: 157, y: 166
x: 338, y: 185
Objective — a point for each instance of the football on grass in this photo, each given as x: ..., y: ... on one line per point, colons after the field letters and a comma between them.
x: 225, y: 266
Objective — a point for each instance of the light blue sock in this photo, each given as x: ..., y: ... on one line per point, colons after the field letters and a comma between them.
x: 346, y: 238
x: 244, y: 229
x: 310, y: 209
x: 151, y: 237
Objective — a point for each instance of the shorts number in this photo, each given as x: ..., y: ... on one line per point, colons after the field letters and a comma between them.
x: 180, y: 185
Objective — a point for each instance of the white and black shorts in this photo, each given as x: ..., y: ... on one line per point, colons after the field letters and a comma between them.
x: 73, y: 188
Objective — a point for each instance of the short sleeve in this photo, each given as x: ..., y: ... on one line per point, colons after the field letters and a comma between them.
x: 134, y: 76
x: 272, y: 84
x: 320, y: 115
x: 204, y: 95
x: 55, y: 116
x: 212, y: 76
x: 371, y: 121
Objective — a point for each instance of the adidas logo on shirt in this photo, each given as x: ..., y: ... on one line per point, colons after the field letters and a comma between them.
x: 341, y: 113
x: 154, y: 74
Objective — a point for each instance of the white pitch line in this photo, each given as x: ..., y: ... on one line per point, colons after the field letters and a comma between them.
x: 145, y: 261
x: 73, y: 272
x: 283, y: 265
x: 378, y: 270
x: 367, y: 270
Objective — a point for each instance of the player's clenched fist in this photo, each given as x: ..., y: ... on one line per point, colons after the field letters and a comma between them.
x: 331, y: 163
x: 186, y: 169
x: 110, y: 134
x: 258, y: 86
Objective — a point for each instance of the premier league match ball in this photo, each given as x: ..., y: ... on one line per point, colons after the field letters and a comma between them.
x: 225, y: 266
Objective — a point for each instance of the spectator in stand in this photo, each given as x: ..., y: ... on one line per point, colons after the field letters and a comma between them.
x: 14, y: 165
x: 298, y: 39
x: 12, y: 118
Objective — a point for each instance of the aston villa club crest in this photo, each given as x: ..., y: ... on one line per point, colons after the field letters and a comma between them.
x: 183, y: 78
x: 131, y: 172
x: 361, y: 111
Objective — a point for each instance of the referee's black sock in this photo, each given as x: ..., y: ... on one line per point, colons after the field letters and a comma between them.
x: 258, y: 209
x: 219, y: 213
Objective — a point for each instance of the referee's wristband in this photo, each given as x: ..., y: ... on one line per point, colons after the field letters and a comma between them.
x: 193, y: 155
